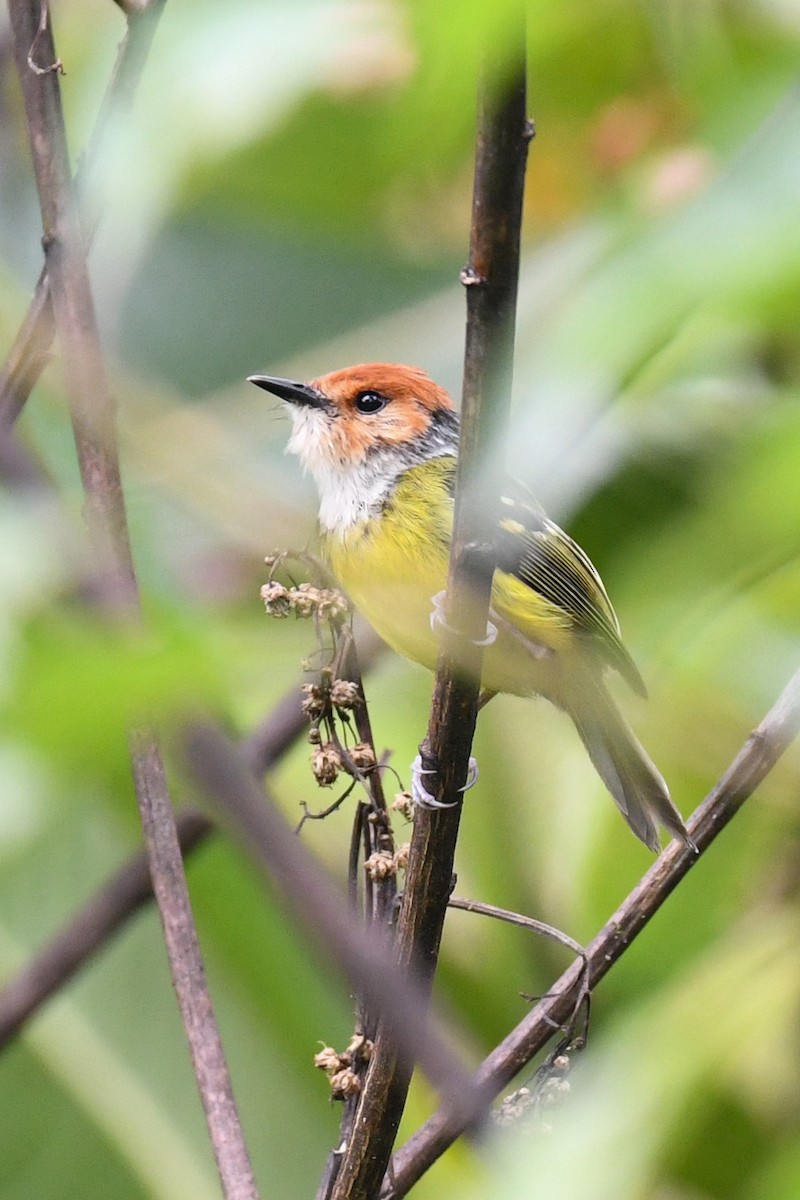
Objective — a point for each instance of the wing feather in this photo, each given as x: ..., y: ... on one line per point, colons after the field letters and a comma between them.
x: 536, y: 551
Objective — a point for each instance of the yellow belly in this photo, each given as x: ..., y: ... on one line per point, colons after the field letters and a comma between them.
x: 393, y: 566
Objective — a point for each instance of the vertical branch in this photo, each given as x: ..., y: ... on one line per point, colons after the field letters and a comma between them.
x: 93, y: 420
x: 377, y: 830
x: 491, y: 279
x: 372, y: 829
x: 31, y: 347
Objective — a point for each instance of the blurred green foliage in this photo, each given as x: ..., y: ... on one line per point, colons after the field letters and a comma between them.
x: 292, y: 194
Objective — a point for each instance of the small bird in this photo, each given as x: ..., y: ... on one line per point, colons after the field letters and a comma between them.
x: 381, y: 440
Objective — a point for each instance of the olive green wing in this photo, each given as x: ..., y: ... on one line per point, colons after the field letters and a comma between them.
x: 536, y: 551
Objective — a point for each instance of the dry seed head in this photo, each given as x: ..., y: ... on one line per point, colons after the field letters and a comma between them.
x: 344, y: 693
x: 304, y: 599
x: 344, y: 1083
x: 332, y: 604
x: 553, y: 1092
x: 315, y: 701
x: 513, y: 1107
x: 327, y: 1060
x: 363, y: 756
x: 403, y: 803
x: 326, y: 763
x: 401, y: 856
x: 360, y: 1048
x: 276, y: 599
x: 380, y: 865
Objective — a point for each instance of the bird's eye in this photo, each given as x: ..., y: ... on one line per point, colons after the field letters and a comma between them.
x: 370, y: 402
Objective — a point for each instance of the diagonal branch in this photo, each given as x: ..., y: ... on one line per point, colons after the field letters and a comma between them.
x: 116, y: 901
x: 752, y: 764
x: 491, y: 279
x: 90, y: 929
x: 93, y: 420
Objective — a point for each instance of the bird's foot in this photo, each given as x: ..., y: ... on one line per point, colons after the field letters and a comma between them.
x: 438, y: 622
x: 420, y: 794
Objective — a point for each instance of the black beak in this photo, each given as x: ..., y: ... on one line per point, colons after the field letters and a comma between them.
x: 288, y: 389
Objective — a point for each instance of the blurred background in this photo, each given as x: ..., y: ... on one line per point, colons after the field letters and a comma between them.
x: 291, y: 194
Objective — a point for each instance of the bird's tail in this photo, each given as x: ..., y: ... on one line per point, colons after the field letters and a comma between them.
x: 626, y: 769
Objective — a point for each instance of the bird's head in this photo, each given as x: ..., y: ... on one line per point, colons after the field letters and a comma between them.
x: 365, y: 414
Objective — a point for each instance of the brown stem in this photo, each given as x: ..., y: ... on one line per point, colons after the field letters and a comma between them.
x: 30, y: 351
x: 752, y: 764
x: 377, y: 828
x: 93, y: 421
x: 371, y: 826
x: 502, y: 141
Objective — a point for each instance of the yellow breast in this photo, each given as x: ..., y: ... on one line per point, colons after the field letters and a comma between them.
x: 393, y: 565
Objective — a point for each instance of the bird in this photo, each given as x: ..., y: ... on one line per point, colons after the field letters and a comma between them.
x: 381, y: 443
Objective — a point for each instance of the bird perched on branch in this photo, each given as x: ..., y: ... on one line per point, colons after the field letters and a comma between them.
x: 381, y: 442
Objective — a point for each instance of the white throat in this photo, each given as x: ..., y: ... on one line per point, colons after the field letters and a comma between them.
x: 348, y: 498
x: 349, y: 493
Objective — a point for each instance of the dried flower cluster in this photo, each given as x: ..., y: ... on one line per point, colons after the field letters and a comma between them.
x: 403, y: 803
x: 363, y: 756
x: 550, y: 1090
x: 326, y: 763
x: 514, y: 1107
x: 342, y: 694
x: 383, y: 863
x: 342, y: 1069
x: 305, y: 600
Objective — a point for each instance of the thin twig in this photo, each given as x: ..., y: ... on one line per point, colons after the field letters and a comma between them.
x: 491, y: 302
x: 515, y: 918
x: 377, y: 829
x: 323, y: 813
x: 93, y: 420
x: 583, y: 998
x: 752, y: 764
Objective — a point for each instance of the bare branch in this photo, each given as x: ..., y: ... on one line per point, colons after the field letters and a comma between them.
x: 31, y: 348
x: 502, y: 142
x: 92, y: 412
x: 91, y: 929
x: 519, y: 919
x: 372, y: 828
x: 752, y: 764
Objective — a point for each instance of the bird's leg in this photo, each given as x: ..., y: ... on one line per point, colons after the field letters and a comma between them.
x: 420, y: 794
